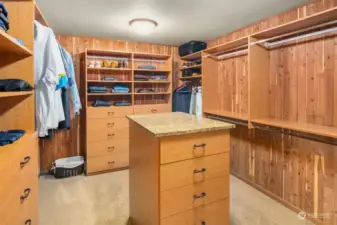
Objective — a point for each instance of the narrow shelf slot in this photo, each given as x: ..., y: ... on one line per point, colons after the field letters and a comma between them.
x: 191, y: 67
x: 154, y: 93
x: 108, y: 81
x: 108, y: 94
x: 227, y: 114
x: 191, y: 77
x: 191, y: 57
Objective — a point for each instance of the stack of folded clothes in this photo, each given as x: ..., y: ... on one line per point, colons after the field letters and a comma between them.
x: 139, y: 77
x: 10, y: 136
x: 4, y: 23
x: 14, y: 85
x: 158, y: 77
x: 122, y: 103
x: 101, y: 103
x: 142, y: 90
x: 109, y: 78
x: 97, y: 89
x: 121, y: 88
x: 147, y: 67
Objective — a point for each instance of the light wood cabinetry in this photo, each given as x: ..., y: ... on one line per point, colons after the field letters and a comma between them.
x: 106, y: 129
x: 19, y: 160
x: 184, y: 179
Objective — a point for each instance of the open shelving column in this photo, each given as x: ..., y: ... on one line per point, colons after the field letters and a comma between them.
x: 194, y: 79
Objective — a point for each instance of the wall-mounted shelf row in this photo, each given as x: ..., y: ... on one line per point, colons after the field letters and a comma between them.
x: 247, y: 81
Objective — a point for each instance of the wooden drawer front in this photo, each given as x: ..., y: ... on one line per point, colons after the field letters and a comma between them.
x: 107, y: 124
x: 29, y: 208
x: 23, y: 166
x: 191, y: 171
x: 117, y: 146
x: 192, y: 196
x: 108, y: 112
x: 147, y: 109
x: 110, y: 134
x: 108, y: 162
x: 178, y: 148
x: 216, y: 213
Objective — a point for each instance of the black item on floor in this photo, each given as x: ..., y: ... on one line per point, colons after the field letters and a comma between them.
x: 191, y: 47
x: 122, y: 103
x: 14, y: 85
x: 10, y: 136
x: 190, y: 72
x: 68, y: 167
x: 101, y: 103
x: 181, y: 101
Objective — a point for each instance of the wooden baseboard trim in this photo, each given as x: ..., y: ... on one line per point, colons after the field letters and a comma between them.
x: 275, y: 197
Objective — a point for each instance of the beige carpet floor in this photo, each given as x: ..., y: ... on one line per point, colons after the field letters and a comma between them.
x: 103, y: 200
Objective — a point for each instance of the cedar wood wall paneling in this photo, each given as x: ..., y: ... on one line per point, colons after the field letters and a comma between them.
x: 298, y: 172
x: 67, y: 143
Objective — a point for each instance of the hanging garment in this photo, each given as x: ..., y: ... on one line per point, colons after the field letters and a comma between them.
x: 66, y: 109
x: 196, y: 102
x: 70, y: 71
x: 181, y: 100
x: 48, y: 68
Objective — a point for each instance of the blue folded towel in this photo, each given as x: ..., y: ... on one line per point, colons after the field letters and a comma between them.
x: 94, y: 89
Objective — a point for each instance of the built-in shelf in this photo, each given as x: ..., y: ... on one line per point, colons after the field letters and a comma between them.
x: 108, y: 94
x: 9, y: 45
x: 300, y: 127
x: 303, y: 23
x: 154, y: 93
x: 227, y: 114
x: 151, y: 56
x: 232, y: 45
x: 191, y: 57
x: 109, y: 69
x: 153, y: 82
x: 13, y: 94
x: 109, y: 81
x: 191, y: 67
x: 191, y: 77
x: 154, y: 71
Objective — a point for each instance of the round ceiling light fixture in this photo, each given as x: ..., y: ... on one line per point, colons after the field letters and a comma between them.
x: 143, y: 25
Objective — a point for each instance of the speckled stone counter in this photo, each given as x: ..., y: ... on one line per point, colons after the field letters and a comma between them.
x: 179, y: 170
x: 177, y: 123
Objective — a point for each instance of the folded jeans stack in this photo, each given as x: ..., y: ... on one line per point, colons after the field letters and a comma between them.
x: 147, y: 67
x: 139, y: 77
x: 141, y: 90
x: 120, y: 103
x: 158, y: 77
x: 101, y: 103
x: 4, y: 23
x: 10, y: 136
x: 121, y: 88
x: 97, y: 89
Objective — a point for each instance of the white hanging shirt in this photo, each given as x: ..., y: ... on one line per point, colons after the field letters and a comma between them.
x: 48, y: 67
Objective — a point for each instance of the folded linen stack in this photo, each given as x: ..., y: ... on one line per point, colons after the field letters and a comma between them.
x: 101, y: 103
x: 10, y: 136
x: 158, y: 77
x: 121, y: 88
x: 122, y: 103
x: 4, y: 23
x: 139, y: 77
x: 147, y: 67
x: 97, y: 89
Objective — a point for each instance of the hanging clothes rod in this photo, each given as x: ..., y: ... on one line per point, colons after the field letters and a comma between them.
x: 228, y: 55
x: 297, y: 32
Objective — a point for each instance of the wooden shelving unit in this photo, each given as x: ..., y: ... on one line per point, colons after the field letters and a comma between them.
x: 191, y: 67
x: 109, y: 150
x: 191, y: 57
x: 13, y: 94
x: 195, y: 79
x: 260, y: 87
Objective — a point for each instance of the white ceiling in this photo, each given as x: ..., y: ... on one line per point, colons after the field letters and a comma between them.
x: 179, y: 20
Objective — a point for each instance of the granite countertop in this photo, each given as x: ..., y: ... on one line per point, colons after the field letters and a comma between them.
x: 177, y: 123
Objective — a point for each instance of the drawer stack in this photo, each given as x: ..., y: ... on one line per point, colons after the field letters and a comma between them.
x: 194, y: 179
x: 19, y: 182
x: 107, y: 138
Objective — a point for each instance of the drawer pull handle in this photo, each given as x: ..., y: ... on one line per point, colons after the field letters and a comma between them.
x: 25, y: 161
x: 110, y: 149
x: 203, y: 170
x: 154, y: 110
x: 203, y: 223
x: 111, y: 135
x: 111, y: 124
x: 203, y: 195
x: 25, y: 195
x: 113, y: 162
x: 111, y: 113
x: 28, y: 222
x: 203, y: 145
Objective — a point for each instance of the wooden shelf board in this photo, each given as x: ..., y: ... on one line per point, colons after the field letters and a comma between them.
x: 153, y: 82
x: 109, y: 69
x: 192, y: 77
x: 39, y: 16
x: 228, y: 46
x: 150, y: 55
x: 194, y: 56
x: 109, y: 81
x: 301, y: 127
x: 108, y: 94
x: 13, y: 94
x: 191, y: 67
x: 101, y: 52
x: 154, y: 71
x: 303, y: 23
x: 9, y: 45
x: 154, y: 93
x: 227, y: 114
